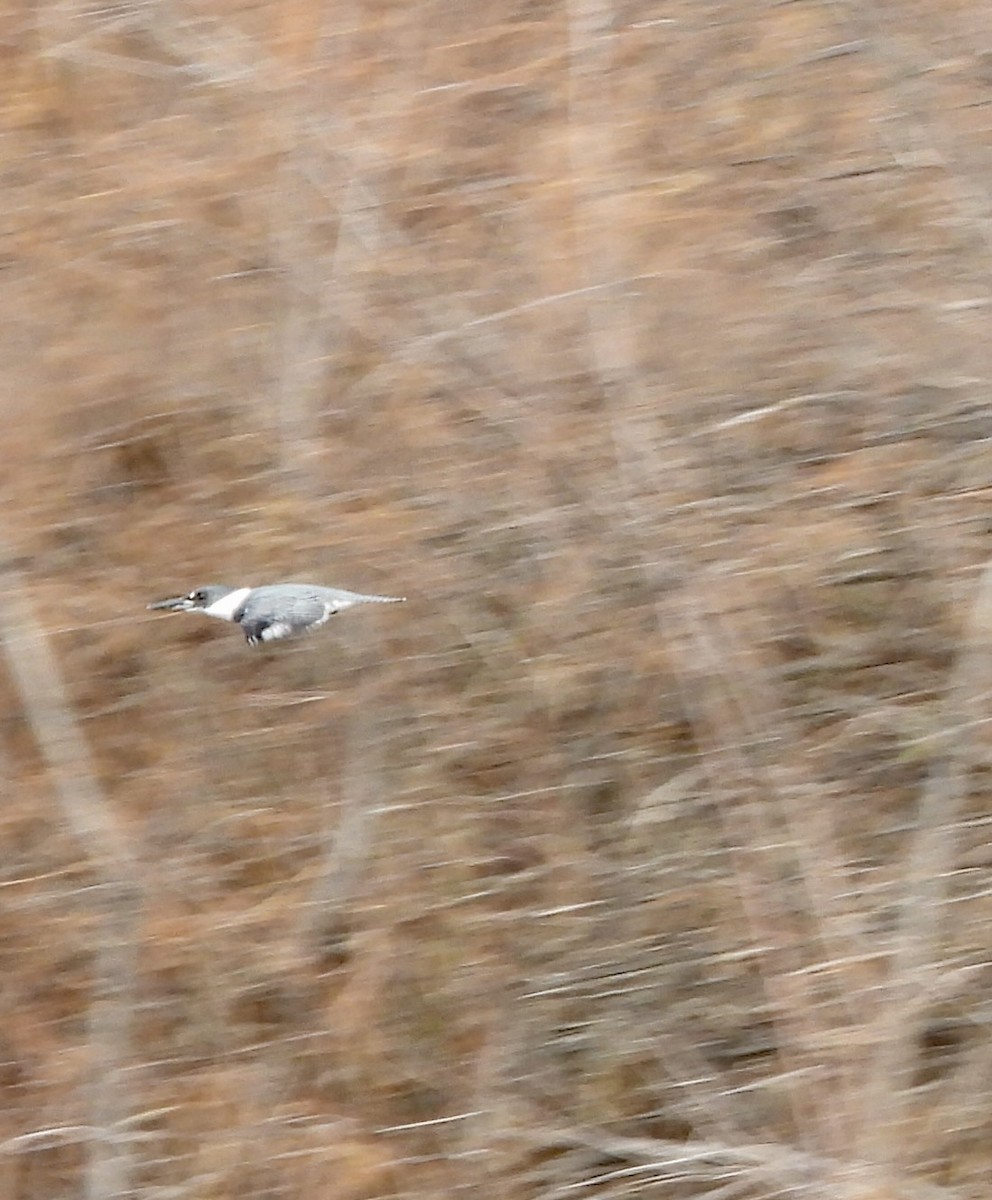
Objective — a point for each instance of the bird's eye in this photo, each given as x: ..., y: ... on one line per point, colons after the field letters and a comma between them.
x: 196, y: 597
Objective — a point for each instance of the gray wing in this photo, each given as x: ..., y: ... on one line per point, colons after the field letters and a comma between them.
x: 308, y: 595
x: 288, y: 609
x: 282, y: 612
x: 338, y: 598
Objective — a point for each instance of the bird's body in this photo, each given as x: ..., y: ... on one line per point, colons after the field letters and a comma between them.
x: 273, y: 611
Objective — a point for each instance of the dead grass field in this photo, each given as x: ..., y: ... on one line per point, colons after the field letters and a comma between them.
x: 644, y: 347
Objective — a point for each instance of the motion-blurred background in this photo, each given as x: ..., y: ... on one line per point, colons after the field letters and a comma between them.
x: 645, y: 347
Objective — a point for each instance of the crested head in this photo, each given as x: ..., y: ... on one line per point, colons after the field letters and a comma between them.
x: 207, y: 594
x: 201, y: 599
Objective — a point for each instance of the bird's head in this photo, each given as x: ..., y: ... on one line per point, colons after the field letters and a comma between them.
x: 199, y: 598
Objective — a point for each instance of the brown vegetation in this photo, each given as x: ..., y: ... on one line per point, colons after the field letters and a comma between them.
x: 645, y: 348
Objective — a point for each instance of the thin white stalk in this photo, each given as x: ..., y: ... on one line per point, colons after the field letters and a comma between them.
x: 347, y: 847
x: 64, y: 750
x: 915, y: 961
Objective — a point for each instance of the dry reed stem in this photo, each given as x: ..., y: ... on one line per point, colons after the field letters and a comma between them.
x: 769, y: 1168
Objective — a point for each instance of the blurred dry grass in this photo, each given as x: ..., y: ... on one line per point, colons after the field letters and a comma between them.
x: 644, y: 347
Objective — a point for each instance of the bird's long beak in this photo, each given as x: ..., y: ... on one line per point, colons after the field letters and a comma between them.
x: 173, y: 604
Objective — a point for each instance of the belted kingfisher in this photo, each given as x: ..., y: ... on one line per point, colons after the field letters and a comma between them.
x: 277, y: 610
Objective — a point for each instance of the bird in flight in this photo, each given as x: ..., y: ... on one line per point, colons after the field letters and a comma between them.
x: 271, y: 612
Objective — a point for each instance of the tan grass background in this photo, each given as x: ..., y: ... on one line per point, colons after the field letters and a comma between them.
x: 645, y: 347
